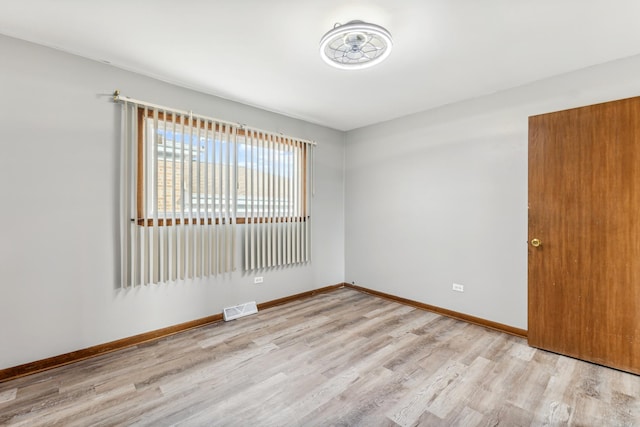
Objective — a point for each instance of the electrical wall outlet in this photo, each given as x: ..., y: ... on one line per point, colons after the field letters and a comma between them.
x: 258, y: 279
x: 457, y: 287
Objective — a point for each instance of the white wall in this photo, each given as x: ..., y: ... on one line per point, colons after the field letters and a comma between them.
x: 59, y: 166
x: 441, y: 196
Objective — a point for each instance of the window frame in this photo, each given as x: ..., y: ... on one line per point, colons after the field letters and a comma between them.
x: 143, y: 139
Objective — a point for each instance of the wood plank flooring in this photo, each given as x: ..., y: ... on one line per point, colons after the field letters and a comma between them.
x: 342, y: 358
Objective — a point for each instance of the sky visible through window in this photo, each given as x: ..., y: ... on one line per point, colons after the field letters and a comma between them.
x: 248, y: 156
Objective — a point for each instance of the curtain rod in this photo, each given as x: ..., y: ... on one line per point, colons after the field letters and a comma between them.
x: 117, y: 97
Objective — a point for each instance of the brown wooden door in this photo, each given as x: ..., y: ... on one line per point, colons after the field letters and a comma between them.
x: 584, y: 207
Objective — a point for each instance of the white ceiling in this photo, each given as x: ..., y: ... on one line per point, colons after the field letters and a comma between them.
x: 265, y: 52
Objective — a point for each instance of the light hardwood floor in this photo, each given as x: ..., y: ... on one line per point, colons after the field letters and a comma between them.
x: 341, y: 358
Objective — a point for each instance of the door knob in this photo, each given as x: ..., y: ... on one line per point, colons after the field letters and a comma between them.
x: 535, y: 243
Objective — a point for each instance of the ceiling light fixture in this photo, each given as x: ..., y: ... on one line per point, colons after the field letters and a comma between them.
x: 355, y: 45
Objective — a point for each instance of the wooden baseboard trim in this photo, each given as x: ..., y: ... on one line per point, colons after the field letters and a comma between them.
x: 522, y: 333
x: 97, y: 350
x: 285, y: 300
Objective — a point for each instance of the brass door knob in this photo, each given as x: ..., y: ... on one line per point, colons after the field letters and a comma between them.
x: 535, y: 243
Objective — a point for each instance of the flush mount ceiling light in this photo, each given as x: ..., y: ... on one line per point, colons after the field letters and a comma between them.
x: 355, y: 45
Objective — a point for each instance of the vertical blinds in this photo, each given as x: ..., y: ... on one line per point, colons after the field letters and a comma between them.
x: 189, y: 181
x: 278, y: 228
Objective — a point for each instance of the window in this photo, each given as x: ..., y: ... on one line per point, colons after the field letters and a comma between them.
x: 192, y: 170
x: 189, y: 181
